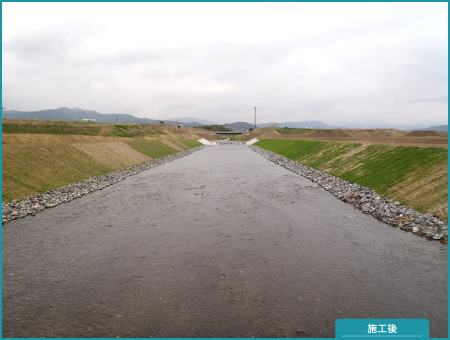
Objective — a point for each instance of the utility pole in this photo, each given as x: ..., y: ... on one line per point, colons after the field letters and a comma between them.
x: 255, y: 117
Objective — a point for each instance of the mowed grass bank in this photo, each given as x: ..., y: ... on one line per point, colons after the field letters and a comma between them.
x: 340, y: 132
x: 59, y: 127
x: 35, y: 163
x: 415, y: 176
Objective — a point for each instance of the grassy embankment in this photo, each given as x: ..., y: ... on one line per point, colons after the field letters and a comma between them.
x: 415, y: 176
x: 79, y: 128
x: 41, y: 155
x: 300, y: 131
x: 243, y: 137
x: 341, y: 132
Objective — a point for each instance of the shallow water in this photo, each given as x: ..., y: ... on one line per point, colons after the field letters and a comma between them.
x: 222, y: 243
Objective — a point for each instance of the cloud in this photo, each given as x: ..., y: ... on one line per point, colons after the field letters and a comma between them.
x: 441, y: 99
x: 55, y: 43
x: 369, y: 63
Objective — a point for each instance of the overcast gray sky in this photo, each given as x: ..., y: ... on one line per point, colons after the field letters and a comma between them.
x: 351, y: 64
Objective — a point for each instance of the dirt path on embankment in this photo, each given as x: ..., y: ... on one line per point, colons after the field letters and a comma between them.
x: 436, y: 142
x: 422, y: 141
x: 222, y: 243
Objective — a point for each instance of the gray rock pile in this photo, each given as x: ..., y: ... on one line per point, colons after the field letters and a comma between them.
x: 227, y: 142
x: 33, y: 204
x: 367, y: 200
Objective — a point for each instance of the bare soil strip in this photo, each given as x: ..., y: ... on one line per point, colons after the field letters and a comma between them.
x: 437, y: 142
x: 114, y: 155
x: 23, y: 138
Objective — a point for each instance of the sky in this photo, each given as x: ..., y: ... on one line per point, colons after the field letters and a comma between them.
x: 345, y: 64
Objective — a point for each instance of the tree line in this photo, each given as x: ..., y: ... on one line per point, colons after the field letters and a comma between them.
x: 214, y: 128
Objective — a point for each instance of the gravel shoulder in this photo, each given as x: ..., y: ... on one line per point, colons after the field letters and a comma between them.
x: 33, y: 204
x: 382, y: 208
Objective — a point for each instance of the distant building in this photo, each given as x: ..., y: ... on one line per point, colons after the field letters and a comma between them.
x: 88, y: 120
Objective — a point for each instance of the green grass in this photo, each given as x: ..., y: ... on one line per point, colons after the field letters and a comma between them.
x: 381, y: 166
x: 213, y: 127
x: 384, y: 166
x: 31, y: 169
x: 315, y: 132
x: 389, y: 170
x: 289, y: 131
x: 304, y: 150
x: 191, y: 143
x: 157, y: 149
x: 237, y: 137
x: 82, y: 128
x: 58, y: 128
x: 151, y: 148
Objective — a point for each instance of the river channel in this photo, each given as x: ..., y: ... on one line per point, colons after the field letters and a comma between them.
x: 221, y: 243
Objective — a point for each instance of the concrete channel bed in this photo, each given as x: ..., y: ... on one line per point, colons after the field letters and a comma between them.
x: 222, y: 243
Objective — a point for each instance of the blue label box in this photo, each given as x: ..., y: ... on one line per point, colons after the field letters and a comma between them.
x: 382, y: 328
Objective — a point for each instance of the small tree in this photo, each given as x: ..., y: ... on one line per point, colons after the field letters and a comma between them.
x: 161, y: 123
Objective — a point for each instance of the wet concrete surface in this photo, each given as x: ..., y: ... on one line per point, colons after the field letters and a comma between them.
x: 222, y: 243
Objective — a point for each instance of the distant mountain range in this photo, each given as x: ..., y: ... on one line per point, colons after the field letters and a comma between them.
x: 437, y: 128
x: 308, y: 124
x: 189, y: 120
x: 65, y: 113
